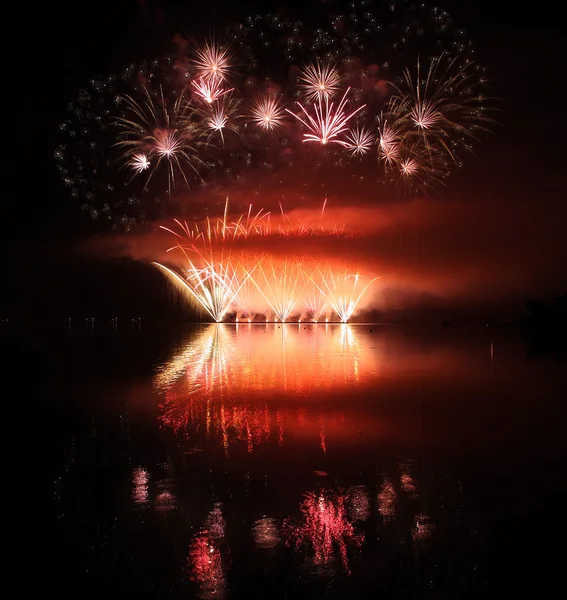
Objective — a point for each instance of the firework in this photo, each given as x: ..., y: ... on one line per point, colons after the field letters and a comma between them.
x: 214, y: 286
x: 388, y: 142
x: 209, y: 89
x: 170, y: 133
x: 212, y: 62
x: 344, y: 290
x: 328, y: 122
x: 213, y: 275
x: 267, y: 113
x: 359, y: 141
x: 281, y: 283
x: 319, y: 81
x: 222, y: 278
x: 419, y: 117
x: 429, y: 119
x: 446, y: 103
x: 223, y: 117
x: 140, y: 162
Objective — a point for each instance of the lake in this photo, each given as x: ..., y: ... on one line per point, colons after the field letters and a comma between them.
x: 293, y: 461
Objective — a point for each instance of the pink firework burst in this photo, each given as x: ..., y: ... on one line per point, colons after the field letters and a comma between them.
x: 212, y: 61
x: 267, y: 113
x: 319, y: 81
x: 409, y: 167
x: 328, y: 122
x: 166, y: 142
x: 218, y: 121
x: 209, y: 89
x: 388, y: 144
x: 359, y: 141
x: 139, y: 162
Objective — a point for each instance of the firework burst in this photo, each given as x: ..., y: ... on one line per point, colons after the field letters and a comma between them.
x: 223, y: 278
x: 420, y: 117
x: 359, y: 141
x: 212, y: 62
x: 140, y: 163
x: 319, y: 81
x: 209, y: 89
x: 328, y: 122
x: 171, y: 133
x: 267, y: 113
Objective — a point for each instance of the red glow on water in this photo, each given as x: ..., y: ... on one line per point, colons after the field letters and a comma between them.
x: 324, y: 528
x: 206, y: 560
x: 208, y: 557
x: 265, y: 533
x: 387, y: 501
x: 216, y: 379
x: 252, y: 358
x: 140, y: 480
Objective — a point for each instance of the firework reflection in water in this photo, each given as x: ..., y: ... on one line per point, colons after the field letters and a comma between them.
x: 208, y: 378
x: 324, y: 527
x: 208, y: 557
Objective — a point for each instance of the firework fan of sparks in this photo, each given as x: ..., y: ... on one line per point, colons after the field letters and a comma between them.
x: 327, y: 122
x: 219, y: 278
x: 362, y: 92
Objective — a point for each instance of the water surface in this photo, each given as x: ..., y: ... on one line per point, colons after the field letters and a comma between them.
x: 228, y: 461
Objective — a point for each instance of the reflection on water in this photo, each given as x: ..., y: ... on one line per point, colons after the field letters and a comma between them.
x: 227, y: 360
x: 208, y: 556
x: 140, y: 478
x: 252, y: 387
x: 213, y: 383
x: 266, y: 461
x: 324, y: 528
x: 266, y: 533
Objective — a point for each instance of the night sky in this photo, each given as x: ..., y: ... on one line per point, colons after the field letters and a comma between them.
x: 491, y: 240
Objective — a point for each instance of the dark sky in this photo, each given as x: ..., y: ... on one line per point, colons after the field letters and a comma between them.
x: 495, y: 234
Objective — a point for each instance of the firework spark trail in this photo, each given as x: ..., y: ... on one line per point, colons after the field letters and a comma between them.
x: 344, y: 290
x: 211, y: 286
x: 281, y: 284
x: 222, y: 279
x: 314, y: 298
x: 213, y: 279
x: 328, y: 123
